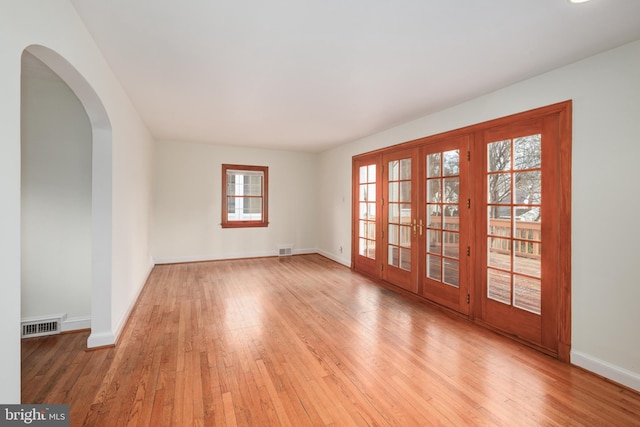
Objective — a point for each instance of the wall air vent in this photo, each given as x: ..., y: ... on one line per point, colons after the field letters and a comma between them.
x: 285, y: 250
x: 41, y: 327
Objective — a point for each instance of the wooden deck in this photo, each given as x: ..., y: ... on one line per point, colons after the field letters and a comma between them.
x: 303, y: 341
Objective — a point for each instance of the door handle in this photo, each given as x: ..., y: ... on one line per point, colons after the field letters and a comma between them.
x: 414, y: 227
x: 420, y: 225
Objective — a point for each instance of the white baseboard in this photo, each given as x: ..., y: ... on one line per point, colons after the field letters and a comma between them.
x: 110, y: 338
x: 132, y: 304
x: 606, y: 369
x: 101, y: 340
x: 76, y: 323
x: 222, y: 257
x: 339, y: 260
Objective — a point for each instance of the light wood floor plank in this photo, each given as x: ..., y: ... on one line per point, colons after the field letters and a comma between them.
x: 303, y: 341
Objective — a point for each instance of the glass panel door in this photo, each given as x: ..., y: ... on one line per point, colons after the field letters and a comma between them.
x: 519, y: 249
x: 400, y: 221
x: 444, y: 220
x: 367, y: 214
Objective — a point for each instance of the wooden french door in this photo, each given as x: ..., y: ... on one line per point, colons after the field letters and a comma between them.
x: 425, y: 221
x: 399, y: 219
x: 367, y: 207
x: 443, y: 223
x: 518, y: 246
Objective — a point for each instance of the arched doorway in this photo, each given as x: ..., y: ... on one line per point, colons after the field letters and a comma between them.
x: 100, y: 192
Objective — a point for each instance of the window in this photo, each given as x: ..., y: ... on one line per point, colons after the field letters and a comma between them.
x: 244, y: 196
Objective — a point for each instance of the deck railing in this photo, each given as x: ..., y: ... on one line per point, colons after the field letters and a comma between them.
x: 527, y: 235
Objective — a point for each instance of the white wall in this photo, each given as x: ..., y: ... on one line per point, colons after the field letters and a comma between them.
x: 56, y: 199
x: 187, y: 197
x: 55, y: 24
x: 605, y: 196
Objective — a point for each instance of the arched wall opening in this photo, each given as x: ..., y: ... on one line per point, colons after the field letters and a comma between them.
x: 99, y: 241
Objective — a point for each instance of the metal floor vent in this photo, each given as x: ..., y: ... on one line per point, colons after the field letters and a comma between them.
x: 39, y: 328
x: 285, y: 250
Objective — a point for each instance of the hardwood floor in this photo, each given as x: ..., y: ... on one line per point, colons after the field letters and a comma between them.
x: 303, y: 341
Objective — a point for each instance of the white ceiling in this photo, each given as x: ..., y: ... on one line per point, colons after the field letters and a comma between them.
x: 312, y: 74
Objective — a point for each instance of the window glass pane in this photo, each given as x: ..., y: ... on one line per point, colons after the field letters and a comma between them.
x: 372, y: 211
x: 451, y: 244
x: 434, y: 241
x: 394, y: 238
x: 499, y: 221
x: 405, y: 169
x: 363, y: 211
x: 394, y: 256
x: 362, y: 247
x: 527, y: 152
x: 499, y: 188
x: 527, y: 295
x: 499, y: 253
x: 394, y: 213
x: 434, y: 218
x: 371, y: 230
x: 363, y: 176
x: 434, y: 267
x: 405, y: 191
x: 528, y: 224
x: 499, y: 156
x: 499, y: 286
x: 405, y: 259
x: 394, y: 170
x: 451, y: 190
x: 433, y: 165
x: 451, y: 160
x: 451, y: 219
x: 405, y: 236
x: 371, y: 192
x: 528, y: 258
x: 451, y: 272
x: 405, y: 214
x: 372, y: 173
x: 528, y: 188
x: 433, y: 190
x: 394, y: 192
x: 371, y: 249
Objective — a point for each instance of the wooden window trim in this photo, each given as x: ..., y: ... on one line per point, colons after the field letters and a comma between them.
x: 264, y: 222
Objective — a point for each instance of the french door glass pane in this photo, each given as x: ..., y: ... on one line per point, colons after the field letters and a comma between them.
x: 434, y: 241
x: 434, y: 267
x: 451, y: 244
x: 526, y: 293
x: 499, y: 286
x: 433, y: 165
x: 434, y: 216
x: 500, y: 188
x: 499, y: 253
x: 451, y: 162
x: 451, y: 272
